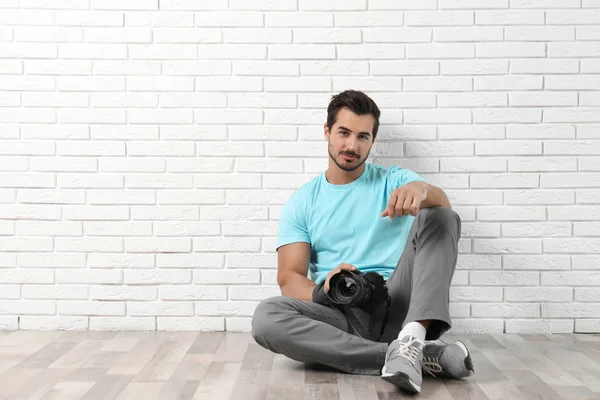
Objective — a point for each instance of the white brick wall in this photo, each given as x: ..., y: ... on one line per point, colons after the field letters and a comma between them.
x: 147, y: 148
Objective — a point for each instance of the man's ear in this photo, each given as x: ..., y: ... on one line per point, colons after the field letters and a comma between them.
x: 325, y: 131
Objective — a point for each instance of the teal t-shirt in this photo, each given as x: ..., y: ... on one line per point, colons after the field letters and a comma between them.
x: 343, y: 223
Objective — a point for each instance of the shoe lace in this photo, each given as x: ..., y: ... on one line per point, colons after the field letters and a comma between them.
x: 431, y: 365
x: 408, y: 351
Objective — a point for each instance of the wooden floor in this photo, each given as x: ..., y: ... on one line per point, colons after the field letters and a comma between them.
x: 221, y: 366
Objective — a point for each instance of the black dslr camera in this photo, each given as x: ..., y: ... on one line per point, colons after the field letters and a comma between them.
x: 353, y: 289
x: 350, y: 291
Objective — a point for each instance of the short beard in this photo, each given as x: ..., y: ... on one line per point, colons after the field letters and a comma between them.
x: 346, y: 168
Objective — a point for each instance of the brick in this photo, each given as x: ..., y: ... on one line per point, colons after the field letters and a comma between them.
x: 569, y: 278
x: 439, y: 18
x: 84, y: 276
x: 536, y: 197
x: 536, y: 229
x: 537, y: 262
x: 587, y: 325
x: 509, y: 17
x: 587, y: 294
x: 532, y: 164
x: 572, y: 147
x: 538, y: 294
x: 90, y: 308
x: 475, y: 294
x: 539, y: 33
x: 233, y: 244
x: 150, y: 181
x: 508, y: 147
x: 111, y: 197
x: 586, y: 228
x: 194, y: 292
x: 206, y: 261
x: 539, y: 326
x: 441, y: 51
x: 292, y: 19
x: 569, y: 213
x: 266, y: 5
x: 10, y: 292
x: 162, y: 245
x: 512, y: 213
x: 248, y: 292
x: 474, y: 197
x: 258, y: 35
x: 507, y: 246
x: 72, y: 244
x: 175, y: 228
x: 120, y: 261
x: 140, y: 277
x: 46, y: 228
x: 558, y: 180
x: 504, y: 310
x: 186, y: 35
x: 90, y: 181
x: 367, y: 52
x: 395, y: 35
x: 55, y: 292
x: 92, y: 228
x: 472, y: 100
x: 504, y: 278
x: 194, y: 100
x: 28, y: 307
x: 108, y: 67
x: 53, y: 323
x: 44, y: 260
x: 464, y: 164
x: 268, y: 68
x: 571, y: 310
x: 576, y: 245
x: 541, y: 66
x: 195, y: 197
x: 572, y: 17
x: 163, y: 18
x: 478, y: 326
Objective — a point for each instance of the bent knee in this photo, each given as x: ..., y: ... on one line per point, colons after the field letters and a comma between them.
x: 442, y: 217
x: 265, y: 316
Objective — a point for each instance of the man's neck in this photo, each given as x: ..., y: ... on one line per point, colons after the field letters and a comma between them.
x: 337, y: 176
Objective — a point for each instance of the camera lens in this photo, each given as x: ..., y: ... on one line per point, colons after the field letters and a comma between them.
x: 347, y: 287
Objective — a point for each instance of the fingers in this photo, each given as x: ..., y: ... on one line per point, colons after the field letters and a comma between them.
x: 407, y: 206
x: 403, y: 196
x: 392, y: 205
x: 415, y: 206
x: 402, y: 202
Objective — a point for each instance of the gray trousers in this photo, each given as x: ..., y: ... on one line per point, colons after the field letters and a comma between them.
x: 418, y: 287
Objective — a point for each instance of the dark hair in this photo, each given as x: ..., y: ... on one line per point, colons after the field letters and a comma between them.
x: 357, y: 102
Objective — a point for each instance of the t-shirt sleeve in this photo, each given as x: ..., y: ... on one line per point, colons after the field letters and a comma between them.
x: 292, y: 223
x: 401, y: 176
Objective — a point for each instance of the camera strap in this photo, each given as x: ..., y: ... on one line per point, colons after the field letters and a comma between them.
x: 366, y: 331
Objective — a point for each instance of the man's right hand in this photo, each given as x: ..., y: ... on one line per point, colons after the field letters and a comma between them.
x: 347, y: 267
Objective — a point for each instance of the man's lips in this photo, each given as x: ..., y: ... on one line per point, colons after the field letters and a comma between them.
x: 349, y: 157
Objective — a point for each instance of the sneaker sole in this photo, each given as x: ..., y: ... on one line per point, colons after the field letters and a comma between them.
x: 468, y: 362
x: 401, y: 380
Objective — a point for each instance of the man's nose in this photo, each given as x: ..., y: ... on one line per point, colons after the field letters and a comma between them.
x: 352, y: 143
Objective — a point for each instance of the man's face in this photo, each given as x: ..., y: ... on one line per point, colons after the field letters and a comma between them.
x: 350, y: 139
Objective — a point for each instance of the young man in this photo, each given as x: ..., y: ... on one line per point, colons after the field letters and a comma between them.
x: 363, y: 217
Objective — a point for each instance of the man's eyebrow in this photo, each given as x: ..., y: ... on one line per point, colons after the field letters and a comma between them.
x: 346, y: 129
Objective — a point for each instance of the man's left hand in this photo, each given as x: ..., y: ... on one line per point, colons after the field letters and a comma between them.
x: 406, y: 200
